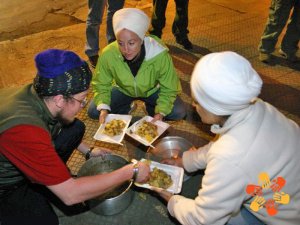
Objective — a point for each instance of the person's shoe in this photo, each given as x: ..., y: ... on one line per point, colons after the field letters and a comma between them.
x: 289, y: 57
x: 185, y: 42
x: 265, y: 57
x: 93, y: 60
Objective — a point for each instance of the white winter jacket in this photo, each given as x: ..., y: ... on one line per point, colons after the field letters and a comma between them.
x: 254, y: 140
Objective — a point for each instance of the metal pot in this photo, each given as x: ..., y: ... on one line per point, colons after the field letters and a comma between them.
x: 116, y: 200
x: 169, y: 147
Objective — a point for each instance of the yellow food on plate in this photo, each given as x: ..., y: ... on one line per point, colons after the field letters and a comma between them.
x: 147, y: 130
x: 114, y: 127
x: 160, y: 179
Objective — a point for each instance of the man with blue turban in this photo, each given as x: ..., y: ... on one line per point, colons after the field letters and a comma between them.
x: 38, y: 133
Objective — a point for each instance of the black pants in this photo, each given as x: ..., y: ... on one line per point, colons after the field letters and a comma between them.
x: 180, y: 23
x: 29, y: 203
x: 68, y: 139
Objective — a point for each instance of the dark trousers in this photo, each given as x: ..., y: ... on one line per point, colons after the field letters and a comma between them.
x: 180, y: 23
x: 120, y: 104
x: 282, y: 12
x: 68, y: 139
x: 29, y: 203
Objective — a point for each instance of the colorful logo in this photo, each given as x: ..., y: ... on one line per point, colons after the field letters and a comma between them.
x: 257, y: 191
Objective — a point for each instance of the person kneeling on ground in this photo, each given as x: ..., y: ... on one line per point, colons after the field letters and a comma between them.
x: 252, y: 169
x: 38, y: 133
x: 135, y: 67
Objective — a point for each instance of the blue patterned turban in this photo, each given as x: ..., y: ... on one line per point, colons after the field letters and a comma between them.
x: 61, y: 72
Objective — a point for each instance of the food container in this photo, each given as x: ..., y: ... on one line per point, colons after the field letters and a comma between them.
x: 175, y: 172
x: 117, y: 139
x: 116, y: 200
x: 161, y: 128
x: 169, y: 147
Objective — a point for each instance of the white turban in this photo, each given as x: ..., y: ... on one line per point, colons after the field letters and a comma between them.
x: 224, y: 83
x: 131, y: 19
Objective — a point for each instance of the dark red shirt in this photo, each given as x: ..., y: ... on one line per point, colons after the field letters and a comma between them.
x: 30, y: 149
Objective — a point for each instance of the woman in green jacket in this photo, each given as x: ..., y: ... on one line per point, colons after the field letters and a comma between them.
x: 135, y: 67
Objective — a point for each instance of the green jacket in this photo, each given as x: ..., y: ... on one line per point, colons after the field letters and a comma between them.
x: 157, y: 72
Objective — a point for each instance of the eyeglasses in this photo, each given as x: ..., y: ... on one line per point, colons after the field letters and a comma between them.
x: 82, y: 102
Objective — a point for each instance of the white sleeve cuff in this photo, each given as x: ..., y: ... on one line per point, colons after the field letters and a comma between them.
x: 103, y: 106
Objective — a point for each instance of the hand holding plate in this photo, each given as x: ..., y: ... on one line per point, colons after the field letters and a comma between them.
x: 166, y: 195
x: 102, y: 116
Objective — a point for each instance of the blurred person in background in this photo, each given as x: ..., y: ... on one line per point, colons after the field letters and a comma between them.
x: 180, y: 23
x: 93, y: 22
x: 281, y: 12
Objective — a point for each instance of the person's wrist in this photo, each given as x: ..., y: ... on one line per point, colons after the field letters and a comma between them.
x: 89, y: 153
x: 161, y: 116
x: 135, y: 169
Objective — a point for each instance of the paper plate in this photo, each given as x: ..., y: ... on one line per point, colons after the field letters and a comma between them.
x: 101, y: 136
x: 161, y: 127
x: 175, y: 172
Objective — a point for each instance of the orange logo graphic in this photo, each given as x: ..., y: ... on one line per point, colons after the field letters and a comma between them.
x: 260, y: 202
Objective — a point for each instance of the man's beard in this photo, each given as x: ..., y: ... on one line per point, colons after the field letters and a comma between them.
x: 63, y: 121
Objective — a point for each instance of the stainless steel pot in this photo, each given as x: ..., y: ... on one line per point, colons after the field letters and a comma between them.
x: 116, y: 200
x: 169, y: 147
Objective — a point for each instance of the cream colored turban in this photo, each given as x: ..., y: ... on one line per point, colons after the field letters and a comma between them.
x: 131, y: 19
x: 224, y: 83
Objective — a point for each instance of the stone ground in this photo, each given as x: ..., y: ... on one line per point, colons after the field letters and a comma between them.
x: 29, y: 27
